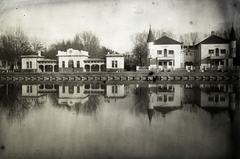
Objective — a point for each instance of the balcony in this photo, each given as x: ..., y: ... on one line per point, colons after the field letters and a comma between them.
x: 217, y: 56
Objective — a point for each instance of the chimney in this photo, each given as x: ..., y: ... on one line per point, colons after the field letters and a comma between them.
x: 212, y: 32
x: 39, y: 53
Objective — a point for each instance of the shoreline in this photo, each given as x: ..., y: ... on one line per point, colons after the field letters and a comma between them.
x: 120, y: 76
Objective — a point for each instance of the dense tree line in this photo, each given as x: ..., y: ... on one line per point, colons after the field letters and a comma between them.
x: 14, y: 43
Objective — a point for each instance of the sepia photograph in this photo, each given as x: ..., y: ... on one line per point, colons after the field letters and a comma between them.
x: 120, y: 79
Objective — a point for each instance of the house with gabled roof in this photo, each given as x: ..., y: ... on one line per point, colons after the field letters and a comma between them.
x: 163, y: 53
x: 217, y: 53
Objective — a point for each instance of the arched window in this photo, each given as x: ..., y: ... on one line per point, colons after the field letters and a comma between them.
x: 70, y: 64
x: 217, y: 52
x: 165, y: 52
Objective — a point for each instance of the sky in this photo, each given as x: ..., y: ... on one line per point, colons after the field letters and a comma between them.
x: 115, y: 21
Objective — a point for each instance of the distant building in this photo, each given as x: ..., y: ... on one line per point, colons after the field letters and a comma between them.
x: 114, y: 63
x: 73, y: 61
x: 37, y: 63
x: 79, y: 61
x: 217, y: 53
x: 189, y: 56
x: 163, y: 53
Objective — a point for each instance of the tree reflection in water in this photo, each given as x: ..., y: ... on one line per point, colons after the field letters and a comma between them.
x: 141, y: 100
x: 16, y: 106
x: 89, y: 107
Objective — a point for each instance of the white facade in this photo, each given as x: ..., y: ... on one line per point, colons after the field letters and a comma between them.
x: 115, y: 91
x: 115, y: 62
x: 214, y: 55
x: 71, y: 58
x: 168, y: 56
x: 29, y: 62
x: 164, y: 54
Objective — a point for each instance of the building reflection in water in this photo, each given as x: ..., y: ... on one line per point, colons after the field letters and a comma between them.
x: 115, y: 92
x: 166, y: 98
x: 152, y: 102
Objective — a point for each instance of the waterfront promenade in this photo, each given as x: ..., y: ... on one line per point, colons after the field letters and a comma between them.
x: 122, y: 76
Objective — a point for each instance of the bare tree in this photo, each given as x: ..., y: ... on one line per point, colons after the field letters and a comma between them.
x: 14, y: 43
x: 90, y: 42
x: 36, y: 45
x: 194, y: 37
x: 140, y: 47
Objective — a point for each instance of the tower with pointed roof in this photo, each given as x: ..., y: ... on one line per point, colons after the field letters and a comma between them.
x: 232, y: 43
x: 150, y: 42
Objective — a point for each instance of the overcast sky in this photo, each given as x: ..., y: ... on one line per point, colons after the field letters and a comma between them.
x: 114, y: 21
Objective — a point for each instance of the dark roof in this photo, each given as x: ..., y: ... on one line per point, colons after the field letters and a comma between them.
x: 31, y: 56
x: 166, y: 40
x: 214, y: 110
x: 150, y: 36
x: 166, y: 109
x: 214, y: 40
x: 232, y: 35
x: 114, y: 55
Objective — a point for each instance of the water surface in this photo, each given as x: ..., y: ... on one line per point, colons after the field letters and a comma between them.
x: 119, y: 121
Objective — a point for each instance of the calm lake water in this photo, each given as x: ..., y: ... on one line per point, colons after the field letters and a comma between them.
x: 192, y: 121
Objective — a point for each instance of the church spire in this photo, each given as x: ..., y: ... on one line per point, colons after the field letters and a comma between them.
x: 232, y: 35
x: 150, y: 35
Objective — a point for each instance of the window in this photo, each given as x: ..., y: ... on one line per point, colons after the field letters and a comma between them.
x: 78, y: 64
x: 210, y: 98
x: 30, y: 64
x: 112, y: 64
x: 171, y: 52
x: 170, y: 98
x: 159, y: 98
x: 70, y: 64
x: 211, y: 51
x: 63, y: 89
x: 29, y: 89
x: 222, y: 99
x: 222, y: 62
x: 170, y: 63
x: 78, y: 89
x: 27, y: 64
x: 63, y: 64
x: 71, y: 89
x: 165, y: 52
x: 114, y: 89
x: 159, y: 52
x: 160, y: 63
x: 223, y: 51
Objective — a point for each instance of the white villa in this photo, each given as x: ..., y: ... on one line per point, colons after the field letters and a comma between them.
x: 212, y: 53
x: 163, y: 53
x: 218, y: 53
